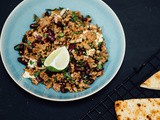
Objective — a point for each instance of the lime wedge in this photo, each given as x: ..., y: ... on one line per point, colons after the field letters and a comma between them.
x: 58, y: 60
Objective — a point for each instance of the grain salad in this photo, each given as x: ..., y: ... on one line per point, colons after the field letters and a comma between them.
x: 84, y: 41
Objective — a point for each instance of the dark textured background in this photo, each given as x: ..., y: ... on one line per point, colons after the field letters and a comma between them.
x: 141, y: 22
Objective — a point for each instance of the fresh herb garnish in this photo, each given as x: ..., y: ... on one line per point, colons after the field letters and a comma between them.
x: 45, y: 35
x: 86, y: 82
x: 31, y: 62
x: 99, y: 44
x: 49, y: 10
x: 100, y: 58
x: 36, y: 74
x: 66, y: 75
x: 61, y: 35
x: 29, y: 43
x: 17, y: 47
x: 85, y: 77
x: 74, y: 17
x: 35, y: 18
x: 61, y: 8
x: 100, y: 66
x: 42, y: 60
x: 88, y: 16
x: 76, y: 32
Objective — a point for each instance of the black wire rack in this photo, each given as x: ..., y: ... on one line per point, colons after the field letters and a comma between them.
x: 129, y: 89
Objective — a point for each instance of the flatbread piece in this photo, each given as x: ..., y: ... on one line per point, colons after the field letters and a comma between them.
x: 138, y: 109
x: 153, y: 82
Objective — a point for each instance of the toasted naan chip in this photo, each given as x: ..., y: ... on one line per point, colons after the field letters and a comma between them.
x: 138, y: 109
x: 153, y: 82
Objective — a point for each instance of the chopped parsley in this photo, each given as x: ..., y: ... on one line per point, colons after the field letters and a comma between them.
x: 16, y: 47
x: 31, y: 62
x: 35, y: 18
x: 29, y: 43
x: 76, y: 32
x: 36, y: 74
x: 99, y: 44
x: 100, y: 66
x: 61, y: 35
x: 74, y: 16
x: 88, y: 16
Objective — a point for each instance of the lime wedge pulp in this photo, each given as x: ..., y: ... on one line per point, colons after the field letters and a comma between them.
x: 58, y: 60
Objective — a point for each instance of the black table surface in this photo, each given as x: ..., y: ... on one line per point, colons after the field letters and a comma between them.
x: 141, y: 23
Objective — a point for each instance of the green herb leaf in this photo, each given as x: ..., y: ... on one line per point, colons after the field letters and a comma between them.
x: 74, y: 16
x: 61, y: 8
x: 66, y: 75
x: 76, y: 32
x: 88, y: 16
x: 43, y: 59
x: 29, y: 43
x: 31, y: 62
x: 85, y: 77
x: 99, y: 44
x: 36, y: 74
x: 86, y: 82
x: 100, y: 58
x: 49, y: 10
x: 16, y: 47
x: 35, y: 18
x: 100, y: 66
x: 45, y: 35
x: 61, y: 35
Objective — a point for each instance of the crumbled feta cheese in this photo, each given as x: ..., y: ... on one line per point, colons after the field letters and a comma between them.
x: 86, y: 57
x: 27, y: 75
x: 35, y: 34
x: 32, y: 63
x: 56, y: 18
x: 98, y: 51
x: 62, y: 12
x: 72, y: 75
x: 76, y: 41
x: 93, y: 26
x: 99, y: 38
x: 84, y: 32
x: 79, y: 40
x: 90, y: 52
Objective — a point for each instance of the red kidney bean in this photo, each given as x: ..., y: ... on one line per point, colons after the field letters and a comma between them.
x: 71, y: 47
x: 34, y: 25
x: 84, y: 19
x: 78, y: 68
x: 47, y: 13
x: 82, y: 74
x: 33, y: 44
x: 39, y: 62
x: 29, y: 49
x: 49, y: 73
x: 63, y: 90
x: 39, y: 37
x: 24, y: 39
x: 50, y: 36
x: 39, y: 79
x: 91, y: 81
x: 59, y: 24
x: 21, y: 61
x: 80, y: 52
x: 86, y: 65
x: 50, y: 32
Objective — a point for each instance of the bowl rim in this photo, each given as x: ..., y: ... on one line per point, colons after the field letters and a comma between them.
x: 68, y: 99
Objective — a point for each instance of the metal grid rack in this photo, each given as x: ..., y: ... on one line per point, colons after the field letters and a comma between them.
x: 129, y: 89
